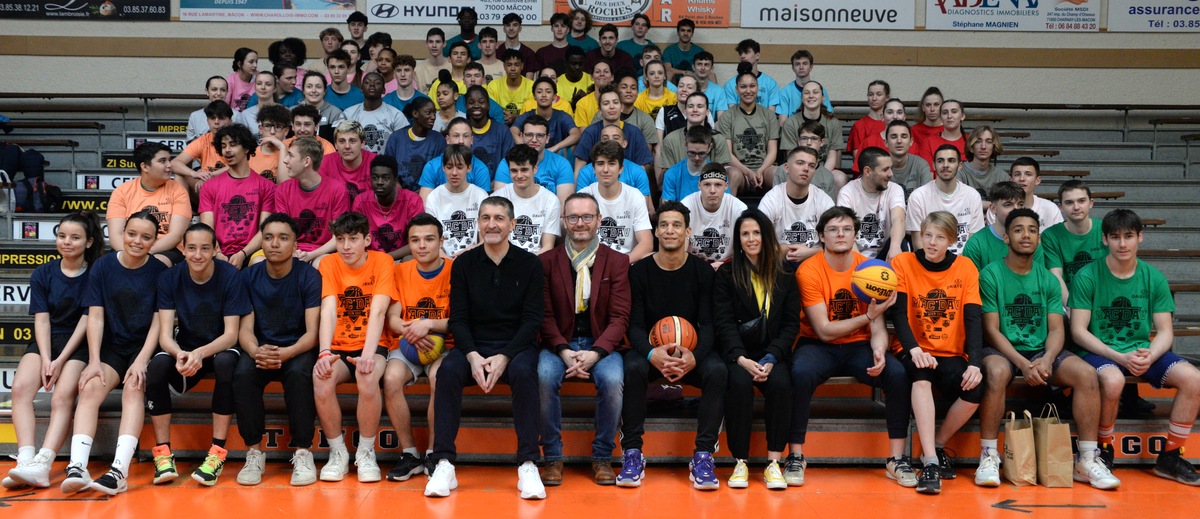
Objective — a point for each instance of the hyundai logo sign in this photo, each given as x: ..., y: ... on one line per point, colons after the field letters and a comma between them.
x: 385, y: 10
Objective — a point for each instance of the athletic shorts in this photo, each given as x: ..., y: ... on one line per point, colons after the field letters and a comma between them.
x: 175, y: 256
x: 345, y: 356
x: 946, y: 377
x: 416, y: 369
x: 1156, y: 375
x: 119, y: 362
x: 58, y: 342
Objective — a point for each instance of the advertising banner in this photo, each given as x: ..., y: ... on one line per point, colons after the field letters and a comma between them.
x: 822, y: 14
x: 445, y: 13
x: 662, y: 13
x: 1153, y: 16
x: 1013, y: 15
x: 316, y: 11
x: 102, y: 10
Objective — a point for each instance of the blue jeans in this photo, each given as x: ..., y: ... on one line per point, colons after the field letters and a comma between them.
x: 609, y: 376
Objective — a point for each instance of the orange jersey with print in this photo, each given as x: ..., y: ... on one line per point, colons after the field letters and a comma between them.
x: 354, y: 289
x: 819, y: 283
x: 936, y: 301
x: 266, y: 165
x: 326, y: 146
x: 203, y: 151
x: 422, y: 298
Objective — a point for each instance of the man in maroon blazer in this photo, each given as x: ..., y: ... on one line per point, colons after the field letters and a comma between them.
x: 587, y: 312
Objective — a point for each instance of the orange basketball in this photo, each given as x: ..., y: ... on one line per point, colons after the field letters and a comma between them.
x: 673, y: 330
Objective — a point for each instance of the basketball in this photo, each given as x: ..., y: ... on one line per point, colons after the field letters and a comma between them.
x: 873, y: 279
x: 673, y: 330
x: 424, y: 358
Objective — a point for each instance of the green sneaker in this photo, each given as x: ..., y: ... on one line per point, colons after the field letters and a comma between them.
x: 164, y: 465
x: 206, y: 474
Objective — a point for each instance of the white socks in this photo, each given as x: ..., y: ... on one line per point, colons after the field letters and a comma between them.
x: 413, y: 451
x: 1087, y: 450
x: 126, y: 444
x: 25, y: 453
x: 337, y: 443
x: 81, y: 449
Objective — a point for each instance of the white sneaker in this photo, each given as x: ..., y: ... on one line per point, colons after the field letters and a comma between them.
x: 78, y: 479
x: 338, y: 465
x: 529, y: 482
x: 368, y: 469
x: 988, y: 473
x: 304, y: 470
x: 252, y: 471
x: 34, y: 472
x: 1093, y: 471
x: 443, y: 481
x: 11, y: 484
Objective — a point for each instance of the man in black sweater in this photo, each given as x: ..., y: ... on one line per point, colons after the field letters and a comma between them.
x: 496, y: 306
x: 672, y: 282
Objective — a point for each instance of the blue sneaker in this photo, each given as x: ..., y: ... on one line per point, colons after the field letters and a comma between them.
x: 703, y: 475
x: 633, y: 469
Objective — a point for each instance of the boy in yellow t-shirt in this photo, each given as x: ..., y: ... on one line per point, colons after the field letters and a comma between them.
x: 512, y: 90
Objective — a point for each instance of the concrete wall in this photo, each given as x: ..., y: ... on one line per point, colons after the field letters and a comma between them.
x: 997, y: 70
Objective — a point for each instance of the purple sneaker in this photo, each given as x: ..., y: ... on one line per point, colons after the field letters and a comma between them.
x: 703, y: 475
x: 633, y: 469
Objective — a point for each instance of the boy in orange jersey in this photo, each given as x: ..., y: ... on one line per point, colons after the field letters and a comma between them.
x: 422, y: 309
x: 938, y: 321
x: 356, y: 289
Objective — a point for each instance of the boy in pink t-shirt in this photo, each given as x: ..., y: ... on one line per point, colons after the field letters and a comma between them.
x: 233, y: 202
x: 350, y: 165
x: 388, y: 209
x: 311, y: 200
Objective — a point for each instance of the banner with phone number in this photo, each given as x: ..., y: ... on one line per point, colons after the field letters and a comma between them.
x: 445, y: 13
x: 662, y: 13
x: 1153, y: 16
x: 102, y: 10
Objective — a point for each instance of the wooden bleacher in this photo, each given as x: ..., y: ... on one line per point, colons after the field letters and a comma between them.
x: 1096, y: 195
x: 1067, y: 173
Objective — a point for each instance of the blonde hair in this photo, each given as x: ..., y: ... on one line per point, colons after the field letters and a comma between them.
x: 977, y: 135
x: 942, y: 221
x: 351, y: 126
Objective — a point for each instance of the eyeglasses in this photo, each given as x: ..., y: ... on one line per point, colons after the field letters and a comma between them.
x: 808, y: 138
x: 535, y: 136
x: 575, y: 218
x: 270, y: 126
x: 697, y: 154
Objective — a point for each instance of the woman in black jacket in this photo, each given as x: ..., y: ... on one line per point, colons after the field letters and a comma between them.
x: 757, y: 316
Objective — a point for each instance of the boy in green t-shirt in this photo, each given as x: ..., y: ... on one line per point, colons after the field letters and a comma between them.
x: 1023, y: 327
x: 1077, y: 241
x: 1115, y: 302
x: 987, y: 245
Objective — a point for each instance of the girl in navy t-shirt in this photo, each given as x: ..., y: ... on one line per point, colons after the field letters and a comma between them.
x: 55, y: 293
x: 122, y: 334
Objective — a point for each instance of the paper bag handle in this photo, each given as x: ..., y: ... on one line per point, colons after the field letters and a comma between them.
x: 1049, y: 410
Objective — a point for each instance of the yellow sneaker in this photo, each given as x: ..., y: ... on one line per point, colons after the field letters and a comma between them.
x: 774, y: 477
x: 741, y: 475
x: 164, y: 465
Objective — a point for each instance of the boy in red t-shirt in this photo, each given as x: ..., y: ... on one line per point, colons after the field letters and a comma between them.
x: 356, y: 288
x: 233, y: 202
x: 421, y: 311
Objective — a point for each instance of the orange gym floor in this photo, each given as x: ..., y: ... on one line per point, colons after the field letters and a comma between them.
x: 490, y: 491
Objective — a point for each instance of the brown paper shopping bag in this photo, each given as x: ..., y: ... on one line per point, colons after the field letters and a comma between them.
x: 1055, y: 462
x: 1020, y: 462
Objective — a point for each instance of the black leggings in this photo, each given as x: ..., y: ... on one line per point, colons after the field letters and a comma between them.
x: 739, y: 408
x: 162, y: 378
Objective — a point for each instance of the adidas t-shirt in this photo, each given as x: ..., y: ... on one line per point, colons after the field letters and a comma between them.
x: 875, y: 212
x: 534, y: 217
x: 1023, y: 302
x: 458, y: 213
x: 1122, y: 309
x: 750, y: 133
x: 354, y: 289
x: 964, y: 204
x: 712, y: 233
x: 1071, y: 252
x: 795, y: 223
x: 621, y: 218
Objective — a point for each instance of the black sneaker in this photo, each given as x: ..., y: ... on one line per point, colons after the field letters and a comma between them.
x: 407, y: 467
x: 111, y: 483
x: 931, y: 479
x: 430, y: 465
x: 1107, y: 454
x: 945, y: 464
x: 1171, y: 465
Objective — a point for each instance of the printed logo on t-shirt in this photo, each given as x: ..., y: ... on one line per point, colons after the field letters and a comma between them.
x: 163, y: 217
x: 205, y: 319
x: 937, y: 310
x: 354, y: 304
x: 426, y: 308
x: 352, y: 189
x: 711, y: 243
x: 799, y: 233
x: 526, y: 232
x: 1026, y: 317
x: 870, y: 235
x: 459, y: 229
x: 237, y: 209
x: 482, y: 154
x: 752, y: 146
x: 963, y: 235
x: 387, y: 237
x: 218, y: 166
x: 269, y: 174
x: 1082, y: 259
x: 611, y: 233
x: 310, y: 226
x: 375, y: 137
x: 1123, y: 319
x: 843, y: 305
x: 410, y: 172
